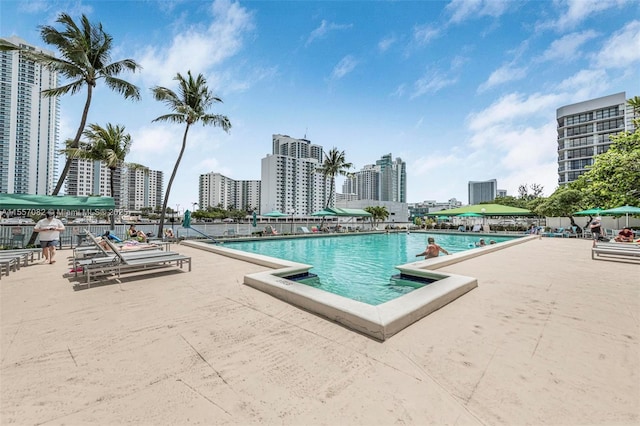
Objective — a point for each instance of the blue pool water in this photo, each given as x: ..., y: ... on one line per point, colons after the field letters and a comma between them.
x: 359, y: 267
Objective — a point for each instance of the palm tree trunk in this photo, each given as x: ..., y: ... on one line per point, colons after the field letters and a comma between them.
x: 76, y: 141
x: 173, y: 175
x: 112, y: 172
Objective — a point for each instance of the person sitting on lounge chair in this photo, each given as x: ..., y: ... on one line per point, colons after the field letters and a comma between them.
x: 269, y: 230
x: 132, y: 232
x: 625, y: 235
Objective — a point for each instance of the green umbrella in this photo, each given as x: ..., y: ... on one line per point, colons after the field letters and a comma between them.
x: 623, y: 210
x: 254, y: 219
x: 489, y: 210
x: 588, y: 212
x: 275, y: 213
x: 186, y: 223
x: 469, y: 214
x: 323, y: 213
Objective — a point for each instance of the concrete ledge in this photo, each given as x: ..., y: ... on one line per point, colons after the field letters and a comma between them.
x: 379, y: 322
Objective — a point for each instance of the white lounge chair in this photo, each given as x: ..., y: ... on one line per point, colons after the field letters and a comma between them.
x: 616, y: 251
x: 117, y: 262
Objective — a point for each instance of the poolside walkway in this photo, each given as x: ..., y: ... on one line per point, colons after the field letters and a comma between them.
x: 549, y: 337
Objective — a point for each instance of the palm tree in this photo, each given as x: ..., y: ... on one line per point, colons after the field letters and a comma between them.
x: 109, y: 145
x: 334, y: 164
x: 635, y: 104
x: 85, y: 55
x: 189, y: 106
x: 377, y: 213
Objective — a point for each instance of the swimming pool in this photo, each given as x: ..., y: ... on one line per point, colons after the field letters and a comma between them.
x: 359, y: 267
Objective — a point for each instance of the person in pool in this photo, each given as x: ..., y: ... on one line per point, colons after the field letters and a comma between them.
x: 432, y: 250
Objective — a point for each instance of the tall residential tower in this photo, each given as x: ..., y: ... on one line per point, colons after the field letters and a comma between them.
x: 291, y: 182
x: 480, y: 191
x: 217, y: 190
x: 28, y: 124
x: 384, y: 181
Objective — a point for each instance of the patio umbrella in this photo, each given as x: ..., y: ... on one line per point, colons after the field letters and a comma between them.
x: 623, y: 210
x: 275, y: 213
x: 489, y: 210
x: 186, y: 223
x: 589, y: 212
x: 323, y: 213
x: 254, y: 219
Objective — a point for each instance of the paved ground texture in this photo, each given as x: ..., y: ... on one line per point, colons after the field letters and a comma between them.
x: 549, y: 337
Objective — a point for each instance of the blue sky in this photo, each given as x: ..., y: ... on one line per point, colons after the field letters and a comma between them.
x: 460, y: 90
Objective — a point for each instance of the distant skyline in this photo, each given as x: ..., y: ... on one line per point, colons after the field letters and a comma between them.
x: 461, y: 90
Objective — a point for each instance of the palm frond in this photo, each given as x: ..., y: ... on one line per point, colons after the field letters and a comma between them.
x: 72, y: 88
x: 173, y: 118
x: 221, y: 121
x: 123, y: 87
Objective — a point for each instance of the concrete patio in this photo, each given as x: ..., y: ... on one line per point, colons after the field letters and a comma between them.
x: 550, y: 336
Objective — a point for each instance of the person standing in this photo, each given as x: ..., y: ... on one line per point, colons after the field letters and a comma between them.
x: 49, y: 230
x: 596, y: 229
x: 432, y: 250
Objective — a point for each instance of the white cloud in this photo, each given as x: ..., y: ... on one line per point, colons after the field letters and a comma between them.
x: 504, y: 74
x: 424, y: 166
x: 462, y: 10
x: 386, y: 43
x: 208, y: 165
x: 622, y: 49
x: 344, y: 67
x: 579, y: 10
x: 509, y: 109
x: 196, y: 49
x: 324, y: 28
x: 425, y: 33
x: 585, y: 84
x: 431, y: 82
x: 400, y: 91
x: 567, y: 48
x: 155, y: 140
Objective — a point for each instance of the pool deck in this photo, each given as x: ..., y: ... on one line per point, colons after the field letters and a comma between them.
x: 549, y: 336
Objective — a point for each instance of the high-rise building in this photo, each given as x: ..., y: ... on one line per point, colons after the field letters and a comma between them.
x: 218, y: 190
x: 384, y: 181
x: 133, y: 187
x: 291, y: 182
x: 142, y: 188
x: 482, y: 191
x: 584, y: 129
x: 431, y: 206
x: 88, y: 177
x: 28, y: 124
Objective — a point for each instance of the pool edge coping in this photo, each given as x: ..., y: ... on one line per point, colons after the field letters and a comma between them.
x: 379, y: 322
